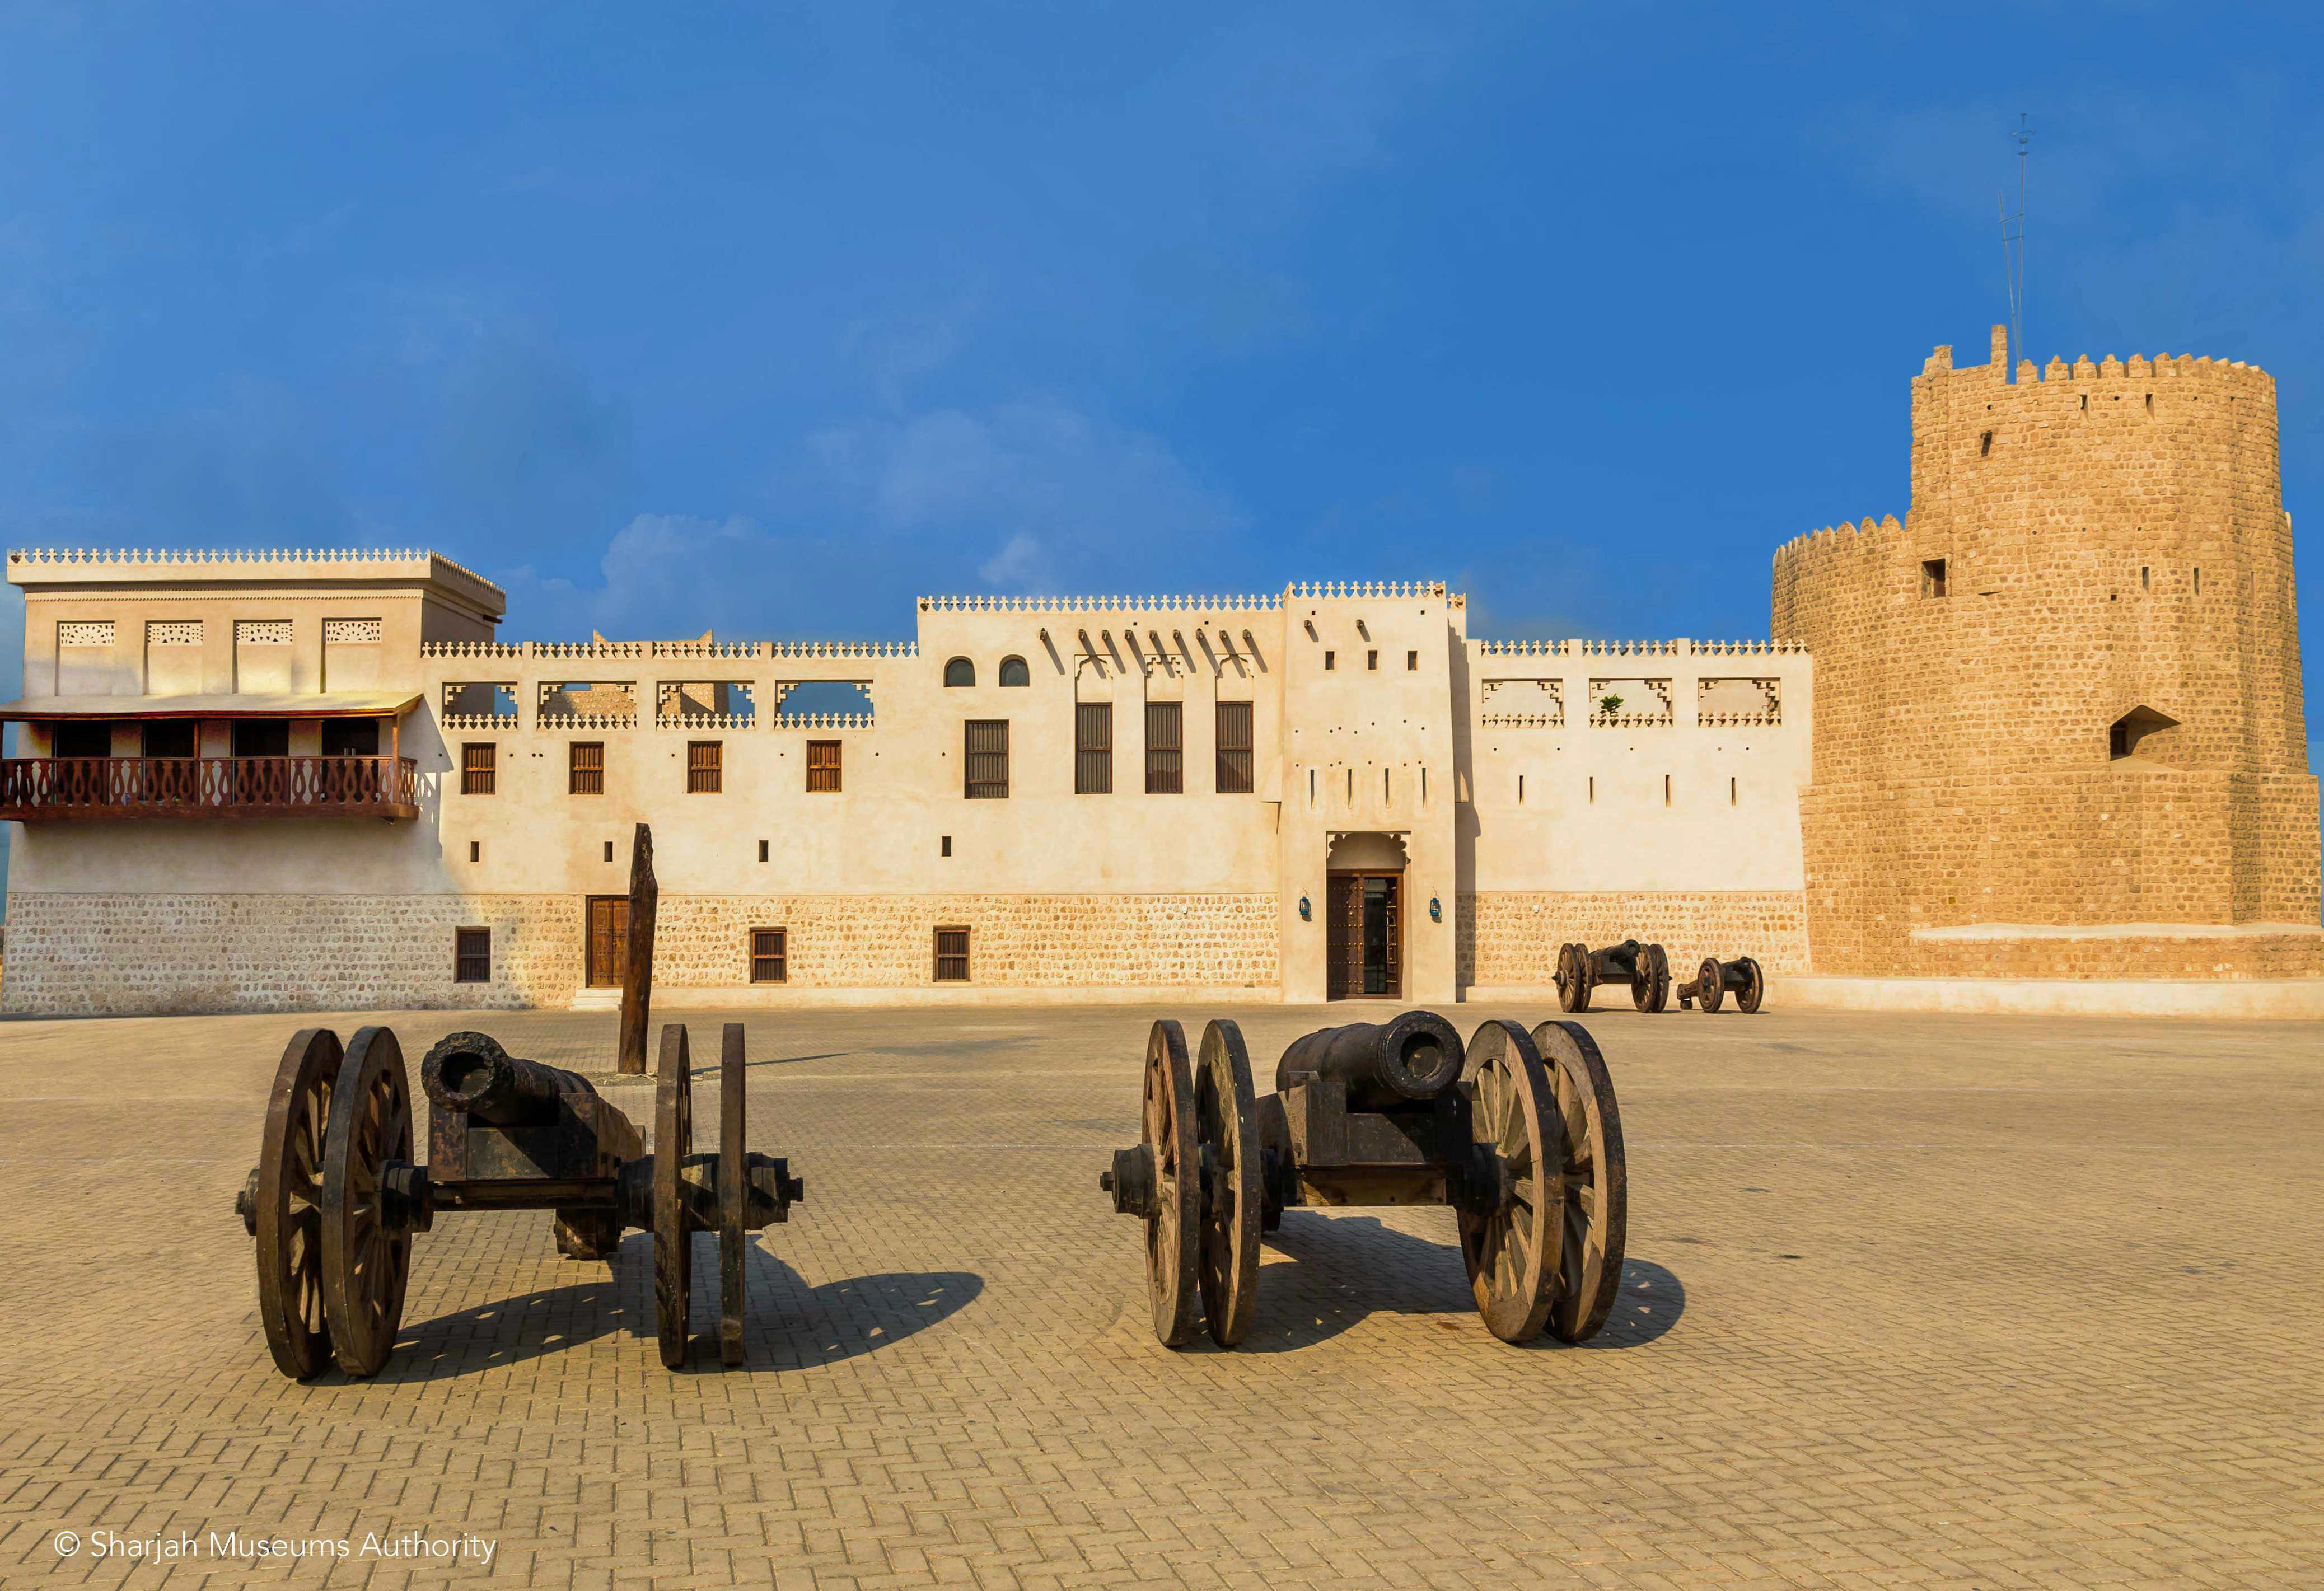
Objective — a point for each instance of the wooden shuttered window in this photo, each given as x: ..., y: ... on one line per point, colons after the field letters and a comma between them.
x: 769, y: 958
x: 705, y: 767
x: 472, y: 955
x: 822, y: 765
x: 1092, y: 748
x: 478, y: 769
x: 586, y: 768
x: 1165, y: 748
x: 1234, y: 748
x: 985, y: 762
x: 952, y: 955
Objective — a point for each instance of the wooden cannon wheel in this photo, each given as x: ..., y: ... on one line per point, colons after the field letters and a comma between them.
x: 1709, y: 988
x: 733, y: 1193
x: 1596, y: 1187
x: 1573, y: 978
x: 1509, y: 1230
x: 1173, y: 1231
x: 1227, y: 1131
x: 1650, y: 986
x: 673, y: 1226
x: 366, y: 1262
x: 1754, y: 989
x: 283, y: 1207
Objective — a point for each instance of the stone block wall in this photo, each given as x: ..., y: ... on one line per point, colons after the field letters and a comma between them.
x: 1511, y: 937
x: 2112, y: 538
x: 153, y: 954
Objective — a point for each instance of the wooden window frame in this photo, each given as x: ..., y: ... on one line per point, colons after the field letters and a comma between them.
x: 580, y: 780
x: 1092, y: 748
x: 1165, y: 748
x: 705, y: 768
x: 769, y: 965
x: 960, y: 958
x: 1228, y: 777
x: 479, y: 775
x: 472, y: 955
x: 987, y: 762
x: 817, y: 784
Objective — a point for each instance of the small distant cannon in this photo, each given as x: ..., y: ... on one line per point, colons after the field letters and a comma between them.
x: 1518, y: 1131
x: 1715, y: 980
x: 336, y: 1194
x: 1644, y: 967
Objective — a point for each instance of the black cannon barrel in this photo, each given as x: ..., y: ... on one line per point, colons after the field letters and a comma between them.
x: 1385, y: 1064
x: 470, y: 1072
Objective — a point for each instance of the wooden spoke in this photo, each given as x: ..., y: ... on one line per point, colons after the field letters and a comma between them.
x: 1754, y: 989
x: 1595, y: 1202
x: 1226, y: 1114
x: 1709, y: 987
x: 1174, y: 1231
x: 1506, y: 1219
x: 734, y: 1167
x: 673, y: 1218
x: 365, y: 1264
x: 287, y: 1194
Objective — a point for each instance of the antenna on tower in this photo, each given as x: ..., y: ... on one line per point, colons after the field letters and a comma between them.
x: 2013, y: 241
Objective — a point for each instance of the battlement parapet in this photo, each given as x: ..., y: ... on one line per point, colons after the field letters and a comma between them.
x: 43, y: 565
x: 1517, y: 648
x: 1833, y: 539
x: 812, y: 721
x: 695, y: 650
x: 1098, y: 604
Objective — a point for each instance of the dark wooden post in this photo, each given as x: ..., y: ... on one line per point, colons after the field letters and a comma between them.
x: 637, y: 973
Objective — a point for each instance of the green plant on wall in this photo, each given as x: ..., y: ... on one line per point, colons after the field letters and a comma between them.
x: 1610, y: 706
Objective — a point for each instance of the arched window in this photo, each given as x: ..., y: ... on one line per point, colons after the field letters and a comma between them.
x: 1013, y: 671
x: 960, y: 671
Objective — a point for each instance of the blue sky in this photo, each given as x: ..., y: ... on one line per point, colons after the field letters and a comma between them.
x: 770, y: 317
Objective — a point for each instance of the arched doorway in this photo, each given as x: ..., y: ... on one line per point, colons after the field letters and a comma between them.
x: 1364, y: 911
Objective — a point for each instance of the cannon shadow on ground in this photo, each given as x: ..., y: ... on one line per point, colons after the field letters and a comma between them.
x: 1350, y: 1266
x: 789, y: 1325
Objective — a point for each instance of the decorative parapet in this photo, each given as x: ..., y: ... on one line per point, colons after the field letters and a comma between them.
x: 586, y: 721
x: 1681, y: 648
x: 1739, y: 703
x: 1325, y: 590
x: 1658, y: 715
x: 840, y: 649
x: 815, y: 721
x: 718, y: 720
x: 40, y: 565
x: 1627, y: 648
x: 1517, y: 648
x: 440, y: 649
x: 1749, y: 649
x: 1521, y: 703
x: 604, y: 650
x: 477, y: 721
x: 1097, y: 604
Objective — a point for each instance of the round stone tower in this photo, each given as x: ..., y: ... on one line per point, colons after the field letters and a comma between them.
x: 2058, y: 719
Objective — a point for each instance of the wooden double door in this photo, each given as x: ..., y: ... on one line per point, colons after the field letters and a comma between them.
x: 1365, y: 924
x: 609, y: 940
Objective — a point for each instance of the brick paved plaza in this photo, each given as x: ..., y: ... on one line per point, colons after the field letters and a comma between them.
x: 1911, y: 1301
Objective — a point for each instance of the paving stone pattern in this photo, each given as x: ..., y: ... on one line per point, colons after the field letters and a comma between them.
x: 1951, y: 1301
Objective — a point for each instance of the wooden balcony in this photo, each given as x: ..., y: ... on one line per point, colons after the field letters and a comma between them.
x: 36, y: 789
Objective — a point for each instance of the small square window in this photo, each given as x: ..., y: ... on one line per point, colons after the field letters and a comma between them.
x: 945, y: 849
x: 1372, y: 658
x: 1331, y: 660
x: 952, y: 955
x: 762, y: 851
x: 609, y: 851
x: 1411, y: 662
x: 1933, y: 578
x: 770, y: 963
x: 478, y: 772
x: 472, y: 955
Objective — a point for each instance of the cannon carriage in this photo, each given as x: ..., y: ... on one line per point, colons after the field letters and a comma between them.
x: 1518, y: 1131
x: 1644, y: 968
x: 1715, y: 980
x: 337, y: 1195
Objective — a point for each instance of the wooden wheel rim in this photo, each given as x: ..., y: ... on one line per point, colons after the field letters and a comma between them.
x: 289, y: 1204
x: 1595, y: 1222
x: 673, y: 1228
x: 1708, y: 987
x: 1226, y: 1112
x: 1510, y: 1250
x: 1754, y: 989
x: 364, y: 1269
x: 1650, y: 986
x: 1173, y: 1232
x: 733, y: 1166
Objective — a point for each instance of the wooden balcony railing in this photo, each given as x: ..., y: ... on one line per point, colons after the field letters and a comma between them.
x: 35, y: 788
